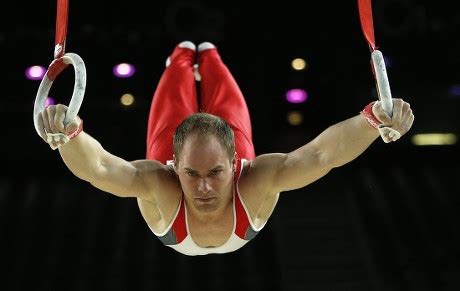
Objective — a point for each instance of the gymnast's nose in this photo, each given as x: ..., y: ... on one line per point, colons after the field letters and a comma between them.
x: 204, y: 186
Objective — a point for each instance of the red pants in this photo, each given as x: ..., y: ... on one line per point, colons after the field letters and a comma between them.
x: 176, y: 98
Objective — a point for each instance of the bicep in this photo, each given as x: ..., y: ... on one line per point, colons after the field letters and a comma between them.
x: 123, y: 178
x: 293, y: 170
x: 302, y: 167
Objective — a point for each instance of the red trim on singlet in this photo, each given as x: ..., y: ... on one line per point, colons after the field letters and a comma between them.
x: 242, y: 221
x: 179, y: 226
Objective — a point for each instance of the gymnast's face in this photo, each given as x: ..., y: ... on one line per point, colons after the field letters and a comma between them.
x: 205, y: 172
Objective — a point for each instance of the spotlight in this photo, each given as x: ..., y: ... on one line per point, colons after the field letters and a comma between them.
x: 296, y: 95
x: 123, y: 70
x: 295, y: 118
x: 424, y: 139
x: 299, y: 64
x: 127, y: 99
x: 35, y: 72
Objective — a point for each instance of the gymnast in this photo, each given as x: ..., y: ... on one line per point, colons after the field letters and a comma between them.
x: 201, y: 189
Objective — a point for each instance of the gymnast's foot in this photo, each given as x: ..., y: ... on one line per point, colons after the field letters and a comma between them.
x: 183, y: 45
x: 205, y: 46
x: 202, y: 47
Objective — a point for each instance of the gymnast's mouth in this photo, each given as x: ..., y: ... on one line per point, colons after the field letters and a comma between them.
x: 205, y: 199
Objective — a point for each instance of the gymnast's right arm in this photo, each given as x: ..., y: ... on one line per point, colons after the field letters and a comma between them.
x: 89, y: 161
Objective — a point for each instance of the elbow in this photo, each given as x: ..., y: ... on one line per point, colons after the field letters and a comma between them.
x: 329, y: 159
x: 324, y: 156
x: 333, y: 161
x: 326, y: 161
x: 329, y: 155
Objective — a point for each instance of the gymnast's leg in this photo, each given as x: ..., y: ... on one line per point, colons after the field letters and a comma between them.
x: 175, y: 99
x: 221, y: 96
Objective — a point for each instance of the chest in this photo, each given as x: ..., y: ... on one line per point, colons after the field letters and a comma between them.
x: 211, y: 233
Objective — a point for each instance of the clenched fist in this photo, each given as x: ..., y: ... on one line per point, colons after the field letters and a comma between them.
x: 51, y: 126
x: 394, y: 127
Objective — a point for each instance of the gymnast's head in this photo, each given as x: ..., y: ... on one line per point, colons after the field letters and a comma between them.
x: 203, y: 128
x: 204, y: 159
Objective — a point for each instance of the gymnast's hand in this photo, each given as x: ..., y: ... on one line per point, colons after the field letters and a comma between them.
x: 394, y: 127
x: 52, y: 129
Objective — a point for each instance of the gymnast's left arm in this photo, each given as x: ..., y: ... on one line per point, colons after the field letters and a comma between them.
x: 334, y: 147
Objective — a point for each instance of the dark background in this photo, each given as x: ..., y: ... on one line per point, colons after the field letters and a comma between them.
x: 386, y: 221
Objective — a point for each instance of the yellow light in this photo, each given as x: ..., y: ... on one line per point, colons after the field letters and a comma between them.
x: 299, y: 64
x: 127, y: 99
x: 424, y: 139
x: 295, y: 118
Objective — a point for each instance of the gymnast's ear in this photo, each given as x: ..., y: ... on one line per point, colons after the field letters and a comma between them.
x: 234, y: 161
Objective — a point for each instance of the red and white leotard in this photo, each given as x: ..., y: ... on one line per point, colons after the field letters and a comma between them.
x: 174, y: 100
x: 177, y: 235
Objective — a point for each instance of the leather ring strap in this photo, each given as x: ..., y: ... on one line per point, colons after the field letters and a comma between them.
x: 57, y: 66
x: 78, y: 91
x: 61, y: 27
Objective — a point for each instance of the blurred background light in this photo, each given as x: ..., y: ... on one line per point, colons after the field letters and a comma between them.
x: 294, y: 118
x: 454, y: 90
x: 388, y: 62
x: 299, y: 64
x: 35, y: 72
x: 49, y: 101
x: 123, y: 70
x: 434, y: 139
x: 127, y: 99
x: 296, y: 95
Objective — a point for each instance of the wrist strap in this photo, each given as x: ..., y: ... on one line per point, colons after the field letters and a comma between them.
x: 77, y: 131
x: 369, y: 116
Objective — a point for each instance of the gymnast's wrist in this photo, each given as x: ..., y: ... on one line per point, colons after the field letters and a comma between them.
x: 369, y: 116
x: 77, y: 131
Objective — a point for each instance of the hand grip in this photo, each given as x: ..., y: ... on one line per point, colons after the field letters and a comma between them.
x: 78, y: 91
x: 383, y: 85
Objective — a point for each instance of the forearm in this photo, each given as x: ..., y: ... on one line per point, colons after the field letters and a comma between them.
x: 83, y: 156
x: 346, y: 140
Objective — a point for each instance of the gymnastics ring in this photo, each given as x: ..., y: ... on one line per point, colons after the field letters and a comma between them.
x: 383, y: 85
x: 378, y: 63
x: 53, y: 71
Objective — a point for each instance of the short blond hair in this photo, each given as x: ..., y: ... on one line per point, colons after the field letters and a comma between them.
x: 204, y: 124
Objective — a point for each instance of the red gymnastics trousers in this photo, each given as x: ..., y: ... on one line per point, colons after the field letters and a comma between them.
x: 176, y: 98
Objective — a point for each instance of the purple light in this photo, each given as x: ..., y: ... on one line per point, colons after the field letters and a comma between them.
x: 49, y: 101
x: 388, y: 62
x: 123, y: 70
x: 35, y: 72
x: 454, y: 90
x: 296, y: 95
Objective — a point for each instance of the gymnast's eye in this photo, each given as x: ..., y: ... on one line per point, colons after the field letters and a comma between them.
x: 191, y: 174
x: 215, y: 172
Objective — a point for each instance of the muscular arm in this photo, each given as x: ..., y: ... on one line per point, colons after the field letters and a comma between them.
x: 334, y: 147
x: 88, y: 160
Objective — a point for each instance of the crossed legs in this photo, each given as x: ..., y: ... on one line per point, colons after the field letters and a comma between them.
x: 176, y: 98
